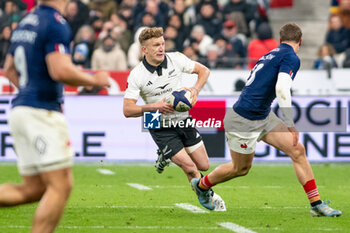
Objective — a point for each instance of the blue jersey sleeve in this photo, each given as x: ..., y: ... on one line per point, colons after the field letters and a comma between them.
x: 59, y: 36
x: 11, y: 50
x: 290, y: 64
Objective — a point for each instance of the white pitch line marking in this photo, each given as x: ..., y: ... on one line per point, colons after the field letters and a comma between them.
x: 191, y: 208
x: 105, y: 171
x: 139, y: 186
x: 235, y: 228
x: 186, y: 186
x: 121, y: 227
x: 130, y: 207
x: 155, y: 227
x: 169, y: 207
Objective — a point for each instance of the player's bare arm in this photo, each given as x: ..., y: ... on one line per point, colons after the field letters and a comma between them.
x: 203, y: 75
x: 10, y: 70
x: 283, y: 87
x: 63, y: 70
x: 131, y: 109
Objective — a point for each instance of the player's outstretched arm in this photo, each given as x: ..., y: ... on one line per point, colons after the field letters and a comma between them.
x: 131, y: 109
x: 62, y: 69
x: 10, y: 70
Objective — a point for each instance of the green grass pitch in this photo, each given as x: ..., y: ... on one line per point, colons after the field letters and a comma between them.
x: 268, y: 199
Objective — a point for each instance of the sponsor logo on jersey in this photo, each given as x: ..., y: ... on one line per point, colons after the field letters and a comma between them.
x: 151, y: 120
x: 59, y: 18
x: 163, y: 92
x: 162, y: 87
x: 171, y: 72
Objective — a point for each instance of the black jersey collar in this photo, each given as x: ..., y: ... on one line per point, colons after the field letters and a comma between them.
x: 151, y: 68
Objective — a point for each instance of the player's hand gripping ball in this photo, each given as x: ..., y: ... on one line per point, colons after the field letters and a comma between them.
x: 180, y: 100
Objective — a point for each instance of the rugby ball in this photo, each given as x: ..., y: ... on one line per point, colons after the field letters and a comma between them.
x: 180, y: 100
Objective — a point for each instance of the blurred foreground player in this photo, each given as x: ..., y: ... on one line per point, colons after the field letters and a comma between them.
x: 155, y: 78
x: 251, y: 119
x: 38, y: 63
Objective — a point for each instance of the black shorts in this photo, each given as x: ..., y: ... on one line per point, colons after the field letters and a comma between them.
x: 172, y: 140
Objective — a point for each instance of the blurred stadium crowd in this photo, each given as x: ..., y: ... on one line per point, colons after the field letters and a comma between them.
x: 218, y: 33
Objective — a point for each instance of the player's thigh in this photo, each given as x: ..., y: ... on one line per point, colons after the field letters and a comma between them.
x: 194, y: 147
x: 183, y: 160
x: 241, y: 134
x: 199, y: 156
x: 241, y: 161
x: 168, y: 141
x: 20, y: 122
x: 281, y: 138
x: 41, y: 140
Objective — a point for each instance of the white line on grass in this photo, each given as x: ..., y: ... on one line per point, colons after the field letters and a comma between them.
x: 158, y: 227
x: 129, y: 207
x: 139, y: 186
x: 191, y: 208
x: 169, y: 207
x: 121, y: 227
x: 105, y: 171
x: 186, y: 186
x: 235, y: 228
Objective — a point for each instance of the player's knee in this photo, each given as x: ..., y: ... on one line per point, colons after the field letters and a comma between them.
x: 189, y: 168
x: 244, y: 170
x: 33, y: 193
x: 241, y: 171
x: 68, y: 188
x: 64, y: 189
x: 37, y: 194
x: 298, y: 152
x: 203, y: 166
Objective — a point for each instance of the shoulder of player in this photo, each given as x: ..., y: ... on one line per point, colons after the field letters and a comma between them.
x: 53, y: 19
x: 177, y: 58
x: 290, y: 56
x: 138, y: 72
x: 174, y: 55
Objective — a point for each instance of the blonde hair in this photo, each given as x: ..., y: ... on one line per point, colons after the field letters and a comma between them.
x: 149, y: 33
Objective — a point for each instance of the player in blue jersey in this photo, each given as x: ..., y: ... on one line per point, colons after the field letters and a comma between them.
x: 38, y: 63
x: 251, y: 119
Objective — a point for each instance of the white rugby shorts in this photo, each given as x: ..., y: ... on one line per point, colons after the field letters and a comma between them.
x: 242, y: 134
x: 41, y: 140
